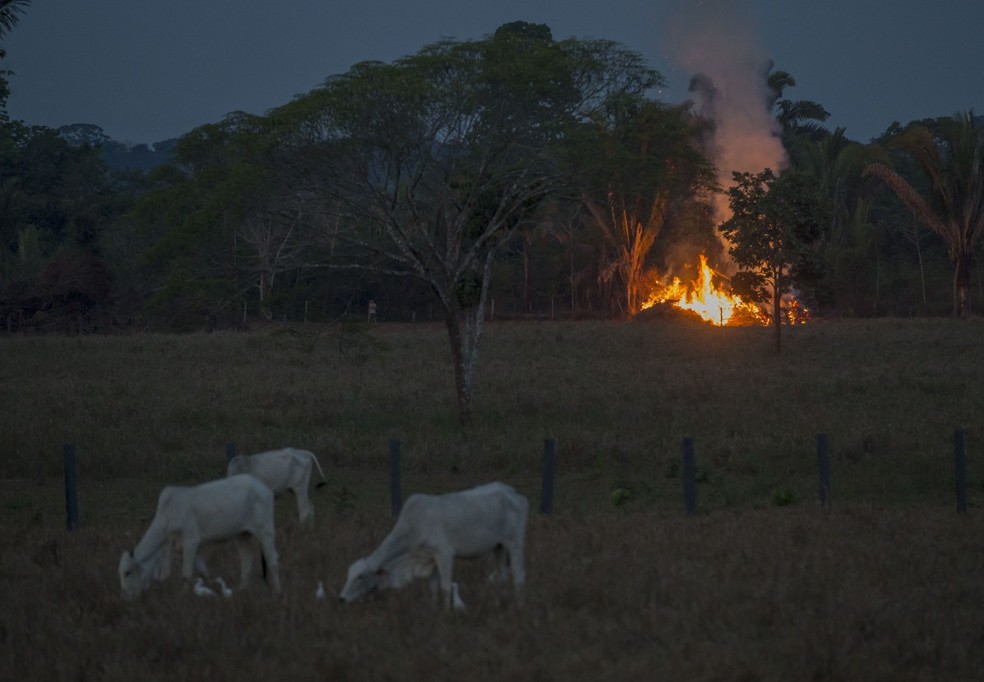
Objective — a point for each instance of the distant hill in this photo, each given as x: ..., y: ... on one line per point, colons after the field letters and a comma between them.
x: 117, y: 155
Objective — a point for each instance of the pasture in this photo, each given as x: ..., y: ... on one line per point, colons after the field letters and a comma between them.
x: 761, y: 584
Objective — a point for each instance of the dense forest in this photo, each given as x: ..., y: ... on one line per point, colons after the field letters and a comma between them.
x: 512, y: 176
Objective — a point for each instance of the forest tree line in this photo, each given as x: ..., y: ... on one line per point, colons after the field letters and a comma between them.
x: 516, y: 175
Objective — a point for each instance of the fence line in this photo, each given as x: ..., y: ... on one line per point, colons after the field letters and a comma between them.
x: 548, y: 475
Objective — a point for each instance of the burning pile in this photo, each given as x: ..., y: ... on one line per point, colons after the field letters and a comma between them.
x: 705, y: 299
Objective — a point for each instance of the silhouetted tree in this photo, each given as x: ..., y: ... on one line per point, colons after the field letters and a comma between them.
x: 431, y: 163
x: 952, y: 157
x: 775, y: 222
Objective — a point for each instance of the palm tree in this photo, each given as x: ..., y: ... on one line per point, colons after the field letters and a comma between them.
x: 10, y: 11
x: 643, y: 166
x: 797, y: 117
x: 952, y: 157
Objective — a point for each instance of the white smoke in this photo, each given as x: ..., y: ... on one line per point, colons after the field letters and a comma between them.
x: 716, y: 42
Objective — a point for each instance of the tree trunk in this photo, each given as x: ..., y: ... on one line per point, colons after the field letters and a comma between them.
x: 464, y: 332
x: 922, y: 276
x: 463, y: 379
x: 527, y: 299
x: 265, y: 286
x: 877, y: 280
x: 961, y: 285
x: 777, y: 317
x: 570, y: 250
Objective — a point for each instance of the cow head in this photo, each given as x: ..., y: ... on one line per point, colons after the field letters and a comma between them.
x: 361, y: 580
x: 134, y: 578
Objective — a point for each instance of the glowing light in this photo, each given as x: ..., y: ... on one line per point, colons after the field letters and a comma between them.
x: 706, y: 300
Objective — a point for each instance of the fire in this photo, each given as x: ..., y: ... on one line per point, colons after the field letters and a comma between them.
x: 712, y: 304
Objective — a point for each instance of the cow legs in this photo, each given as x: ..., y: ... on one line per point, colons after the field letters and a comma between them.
x: 444, y: 560
x: 305, y: 510
x: 189, y: 556
x: 502, y: 561
x: 518, y: 572
x: 162, y: 565
x: 244, y: 543
x: 435, y: 582
x: 301, y: 473
x: 200, y: 567
x: 270, y: 553
x: 452, y: 599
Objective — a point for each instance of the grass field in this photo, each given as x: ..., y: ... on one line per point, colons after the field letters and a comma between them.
x: 761, y: 585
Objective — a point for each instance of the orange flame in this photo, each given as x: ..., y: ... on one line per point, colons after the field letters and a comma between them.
x: 710, y: 303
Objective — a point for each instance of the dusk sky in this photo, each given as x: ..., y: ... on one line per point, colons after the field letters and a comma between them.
x: 145, y: 72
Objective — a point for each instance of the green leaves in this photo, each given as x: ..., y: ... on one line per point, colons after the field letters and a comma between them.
x: 775, y: 220
x: 950, y: 153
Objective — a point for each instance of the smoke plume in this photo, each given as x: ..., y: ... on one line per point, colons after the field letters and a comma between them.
x: 716, y: 42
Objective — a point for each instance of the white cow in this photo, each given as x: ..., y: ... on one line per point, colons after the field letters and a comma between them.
x: 432, y: 530
x: 229, y: 508
x: 280, y: 470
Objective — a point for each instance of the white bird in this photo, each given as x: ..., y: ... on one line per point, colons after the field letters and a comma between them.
x: 320, y: 593
x: 226, y: 590
x: 455, y: 599
x: 201, y: 589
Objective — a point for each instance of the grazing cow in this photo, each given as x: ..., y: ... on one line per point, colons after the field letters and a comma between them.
x: 237, y: 508
x: 432, y: 530
x: 280, y: 470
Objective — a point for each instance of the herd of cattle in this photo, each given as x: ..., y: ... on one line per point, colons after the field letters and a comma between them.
x: 429, y: 533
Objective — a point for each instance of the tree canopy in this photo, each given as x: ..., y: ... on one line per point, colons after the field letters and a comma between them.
x: 507, y: 176
x: 950, y: 152
x: 427, y: 166
x: 776, y: 221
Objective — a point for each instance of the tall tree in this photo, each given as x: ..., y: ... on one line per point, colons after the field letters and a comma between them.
x: 53, y: 197
x: 640, y: 161
x: 951, y: 154
x: 433, y: 162
x: 796, y: 117
x: 775, y: 222
x: 848, y: 240
x: 223, y: 222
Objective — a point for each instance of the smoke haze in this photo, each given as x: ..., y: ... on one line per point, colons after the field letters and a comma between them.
x: 717, y: 43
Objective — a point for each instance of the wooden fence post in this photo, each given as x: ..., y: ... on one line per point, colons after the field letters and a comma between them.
x: 823, y: 463
x: 230, y: 452
x: 71, y: 493
x: 960, y: 470
x: 547, y: 480
x: 396, y: 500
x: 689, y: 477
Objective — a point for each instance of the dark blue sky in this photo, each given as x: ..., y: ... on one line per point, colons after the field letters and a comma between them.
x: 149, y: 71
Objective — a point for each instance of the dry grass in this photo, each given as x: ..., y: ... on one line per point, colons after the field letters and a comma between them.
x: 864, y: 594
x: 887, y: 586
x: 618, y: 398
